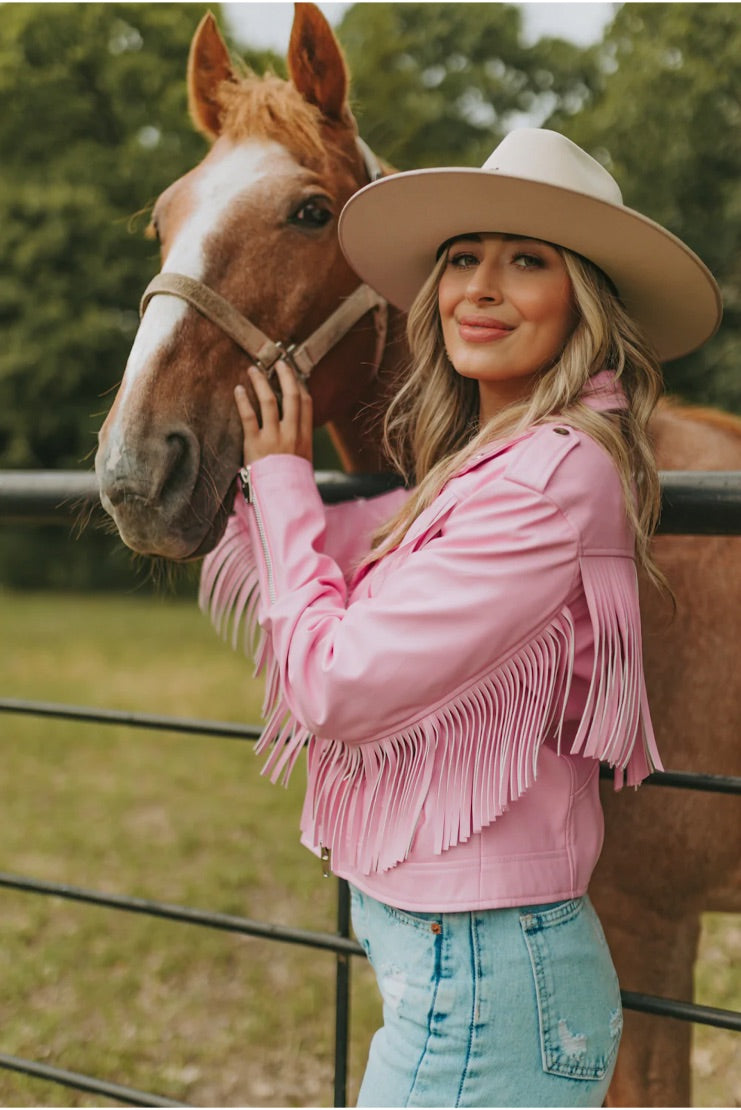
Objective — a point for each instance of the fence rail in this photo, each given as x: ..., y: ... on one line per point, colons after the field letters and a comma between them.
x: 707, y: 503
x: 698, y: 502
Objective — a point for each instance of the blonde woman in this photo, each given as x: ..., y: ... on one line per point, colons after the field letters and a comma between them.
x: 457, y: 661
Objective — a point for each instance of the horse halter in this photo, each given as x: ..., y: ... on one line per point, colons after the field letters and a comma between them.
x: 263, y: 351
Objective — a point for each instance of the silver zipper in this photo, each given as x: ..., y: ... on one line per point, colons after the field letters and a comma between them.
x: 245, y: 480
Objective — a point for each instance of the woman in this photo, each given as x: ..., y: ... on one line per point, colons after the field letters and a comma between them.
x: 459, y: 660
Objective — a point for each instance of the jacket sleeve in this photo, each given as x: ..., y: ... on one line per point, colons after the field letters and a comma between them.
x: 492, y: 577
x: 229, y: 583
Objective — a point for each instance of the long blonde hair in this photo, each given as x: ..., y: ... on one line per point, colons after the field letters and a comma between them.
x: 432, y: 425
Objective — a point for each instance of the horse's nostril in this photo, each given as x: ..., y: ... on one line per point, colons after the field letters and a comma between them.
x: 181, y: 468
x: 177, y: 445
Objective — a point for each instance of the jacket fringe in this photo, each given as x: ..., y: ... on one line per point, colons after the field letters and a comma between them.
x: 229, y: 593
x: 481, y: 747
x: 615, y: 724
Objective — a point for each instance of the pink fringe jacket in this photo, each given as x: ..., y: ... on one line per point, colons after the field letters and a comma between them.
x: 492, y: 658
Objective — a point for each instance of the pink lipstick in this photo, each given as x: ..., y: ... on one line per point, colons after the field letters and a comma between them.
x: 483, y: 329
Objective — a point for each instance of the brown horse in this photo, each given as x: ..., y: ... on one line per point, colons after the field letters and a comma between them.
x: 256, y: 222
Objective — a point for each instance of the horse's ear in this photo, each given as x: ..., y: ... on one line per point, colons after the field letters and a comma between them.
x: 315, y: 62
x: 208, y: 66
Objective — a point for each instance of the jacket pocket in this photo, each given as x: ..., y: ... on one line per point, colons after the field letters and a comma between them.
x: 578, y: 995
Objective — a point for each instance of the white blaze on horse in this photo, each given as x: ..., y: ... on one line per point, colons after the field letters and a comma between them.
x: 255, y: 225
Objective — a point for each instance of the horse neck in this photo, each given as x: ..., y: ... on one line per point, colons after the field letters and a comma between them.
x: 356, y: 429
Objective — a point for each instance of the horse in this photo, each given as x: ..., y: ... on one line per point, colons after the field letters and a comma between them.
x: 251, y: 231
x: 254, y: 226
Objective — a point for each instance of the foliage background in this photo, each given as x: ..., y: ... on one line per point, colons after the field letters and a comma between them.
x: 94, y: 125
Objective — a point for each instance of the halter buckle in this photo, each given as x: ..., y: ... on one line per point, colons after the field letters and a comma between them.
x: 285, y: 353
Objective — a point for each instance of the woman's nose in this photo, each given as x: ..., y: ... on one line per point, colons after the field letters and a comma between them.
x: 484, y: 285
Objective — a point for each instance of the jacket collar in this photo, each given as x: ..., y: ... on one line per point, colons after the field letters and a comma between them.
x: 603, y: 391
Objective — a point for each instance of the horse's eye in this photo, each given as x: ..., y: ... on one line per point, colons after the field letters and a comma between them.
x: 312, y: 214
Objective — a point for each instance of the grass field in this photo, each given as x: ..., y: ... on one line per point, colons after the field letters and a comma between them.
x: 194, y: 1014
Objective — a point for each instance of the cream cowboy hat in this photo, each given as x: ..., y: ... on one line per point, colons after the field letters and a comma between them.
x: 539, y: 184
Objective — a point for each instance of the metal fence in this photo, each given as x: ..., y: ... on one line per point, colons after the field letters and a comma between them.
x: 707, y: 503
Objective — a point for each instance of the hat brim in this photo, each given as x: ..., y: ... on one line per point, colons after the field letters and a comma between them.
x: 390, y: 232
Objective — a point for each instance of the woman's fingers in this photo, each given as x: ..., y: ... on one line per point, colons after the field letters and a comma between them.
x: 297, y: 421
x: 296, y: 406
x: 266, y: 399
x: 291, y: 397
x: 268, y: 430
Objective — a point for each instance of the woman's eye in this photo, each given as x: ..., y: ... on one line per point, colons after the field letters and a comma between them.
x: 462, y: 260
x: 528, y: 261
x: 311, y: 215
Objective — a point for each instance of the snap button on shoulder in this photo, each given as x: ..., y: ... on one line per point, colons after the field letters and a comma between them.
x: 561, y: 431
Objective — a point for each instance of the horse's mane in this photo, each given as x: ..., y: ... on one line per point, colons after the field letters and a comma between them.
x: 271, y: 108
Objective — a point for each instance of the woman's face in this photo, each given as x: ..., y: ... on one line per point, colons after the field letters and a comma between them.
x: 507, y: 311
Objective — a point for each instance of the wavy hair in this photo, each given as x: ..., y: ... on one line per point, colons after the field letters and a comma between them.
x: 432, y: 425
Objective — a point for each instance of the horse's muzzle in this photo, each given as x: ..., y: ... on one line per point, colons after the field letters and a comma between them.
x: 157, y: 495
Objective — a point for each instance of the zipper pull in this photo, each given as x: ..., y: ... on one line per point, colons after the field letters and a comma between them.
x: 246, y: 484
x: 325, y: 855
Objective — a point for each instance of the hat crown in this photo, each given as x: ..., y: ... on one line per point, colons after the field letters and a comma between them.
x: 537, y: 154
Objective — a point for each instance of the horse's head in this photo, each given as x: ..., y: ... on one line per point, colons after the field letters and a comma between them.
x: 254, y: 223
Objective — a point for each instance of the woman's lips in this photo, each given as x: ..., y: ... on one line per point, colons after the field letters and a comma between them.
x: 478, y: 330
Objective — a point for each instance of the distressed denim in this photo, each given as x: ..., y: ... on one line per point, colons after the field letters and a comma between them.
x: 504, y: 1007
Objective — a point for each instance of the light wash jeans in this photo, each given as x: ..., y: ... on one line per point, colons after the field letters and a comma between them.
x: 513, y: 1007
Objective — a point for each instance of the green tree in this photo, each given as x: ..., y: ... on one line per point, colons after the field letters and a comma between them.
x: 441, y: 83
x: 666, y: 120
x: 94, y: 125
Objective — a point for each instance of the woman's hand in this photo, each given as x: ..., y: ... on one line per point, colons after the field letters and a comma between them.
x: 269, y: 433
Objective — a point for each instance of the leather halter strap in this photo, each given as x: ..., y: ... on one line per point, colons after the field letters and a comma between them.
x: 262, y: 350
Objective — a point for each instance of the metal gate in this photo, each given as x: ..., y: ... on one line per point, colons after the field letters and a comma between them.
x: 701, y: 503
